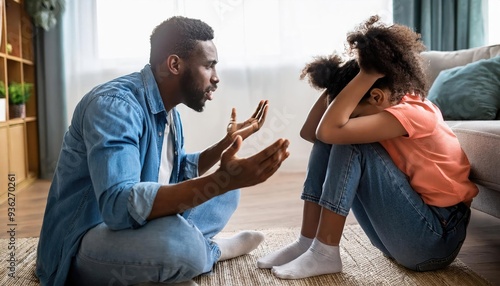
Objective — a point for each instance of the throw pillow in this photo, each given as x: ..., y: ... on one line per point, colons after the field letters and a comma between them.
x: 470, y: 92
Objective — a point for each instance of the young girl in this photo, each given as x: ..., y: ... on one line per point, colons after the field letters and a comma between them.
x: 384, y: 151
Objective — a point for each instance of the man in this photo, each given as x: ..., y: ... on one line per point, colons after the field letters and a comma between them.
x: 127, y: 205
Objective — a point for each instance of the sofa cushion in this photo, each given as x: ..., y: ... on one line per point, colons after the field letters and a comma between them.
x: 470, y: 92
x: 437, y: 61
x: 480, y: 141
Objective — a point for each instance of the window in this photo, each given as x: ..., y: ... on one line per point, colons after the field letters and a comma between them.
x: 493, y: 30
x: 244, y: 30
x: 124, y: 26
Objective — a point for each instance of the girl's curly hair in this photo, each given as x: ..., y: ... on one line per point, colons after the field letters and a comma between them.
x: 391, y: 50
x: 330, y: 73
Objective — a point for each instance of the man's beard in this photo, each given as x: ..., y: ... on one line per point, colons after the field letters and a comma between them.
x: 193, y: 96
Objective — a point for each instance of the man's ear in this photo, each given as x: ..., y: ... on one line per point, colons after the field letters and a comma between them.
x: 173, y: 64
x: 377, y: 96
x: 169, y: 66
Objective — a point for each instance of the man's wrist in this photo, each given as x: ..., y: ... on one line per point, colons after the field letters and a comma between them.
x: 226, y: 141
x: 223, y: 180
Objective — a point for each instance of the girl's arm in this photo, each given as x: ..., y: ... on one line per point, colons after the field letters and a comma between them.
x: 337, y: 126
x: 308, y: 131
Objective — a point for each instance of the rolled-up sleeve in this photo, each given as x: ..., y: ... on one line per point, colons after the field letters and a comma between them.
x: 141, y: 201
x: 189, y: 165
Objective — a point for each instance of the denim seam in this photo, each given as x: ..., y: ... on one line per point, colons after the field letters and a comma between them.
x: 83, y: 202
x: 188, y: 218
x: 346, y: 175
x: 122, y: 263
x: 113, y: 262
x: 337, y: 208
x: 307, y: 197
x: 333, y: 208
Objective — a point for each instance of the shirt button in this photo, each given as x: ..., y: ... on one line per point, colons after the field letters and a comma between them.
x: 159, y: 133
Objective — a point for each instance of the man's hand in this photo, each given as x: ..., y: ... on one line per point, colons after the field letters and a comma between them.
x: 233, y: 173
x: 245, y: 172
x: 249, y: 126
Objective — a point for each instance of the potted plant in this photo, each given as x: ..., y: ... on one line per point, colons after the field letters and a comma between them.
x: 19, y: 93
x: 45, y: 12
x: 3, y: 102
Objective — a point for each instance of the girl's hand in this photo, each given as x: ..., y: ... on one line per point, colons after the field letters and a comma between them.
x: 249, y: 126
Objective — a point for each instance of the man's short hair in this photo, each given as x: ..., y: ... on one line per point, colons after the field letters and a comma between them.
x: 177, y: 35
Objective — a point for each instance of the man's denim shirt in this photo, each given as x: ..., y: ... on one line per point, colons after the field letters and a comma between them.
x: 108, y: 168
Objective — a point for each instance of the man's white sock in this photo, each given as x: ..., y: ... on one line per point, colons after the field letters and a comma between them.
x: 286, y: 254
x: 318, y: 260
x: 239, y: 244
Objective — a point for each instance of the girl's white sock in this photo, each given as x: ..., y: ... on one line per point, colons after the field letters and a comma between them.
x: 241, y: 243
x: 318, y: 260
x: 286, y: 254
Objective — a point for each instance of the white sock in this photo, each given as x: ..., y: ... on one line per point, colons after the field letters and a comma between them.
x: 239, y: 244
x: 286, y: 254
x: 318, y: 260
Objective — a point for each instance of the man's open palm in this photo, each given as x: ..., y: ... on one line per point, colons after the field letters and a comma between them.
x: 249, y: 126
x: 245, y: 172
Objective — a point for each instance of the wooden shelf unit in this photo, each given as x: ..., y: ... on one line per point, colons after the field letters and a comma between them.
x: 18, y: 136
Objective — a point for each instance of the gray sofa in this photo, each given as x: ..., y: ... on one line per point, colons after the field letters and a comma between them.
x: 480, y: 139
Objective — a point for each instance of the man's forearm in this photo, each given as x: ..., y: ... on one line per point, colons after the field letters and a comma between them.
x: 233, y: 173
x: 211, y: 155
x: 174, y: 199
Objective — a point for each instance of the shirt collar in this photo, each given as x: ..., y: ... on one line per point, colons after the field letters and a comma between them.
x: 153, y: 96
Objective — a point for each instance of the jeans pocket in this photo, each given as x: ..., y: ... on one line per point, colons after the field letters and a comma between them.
x: 452, y: 218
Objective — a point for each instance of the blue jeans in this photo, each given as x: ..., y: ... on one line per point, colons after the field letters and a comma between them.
x: 394, y: 217
x: 169, y: 249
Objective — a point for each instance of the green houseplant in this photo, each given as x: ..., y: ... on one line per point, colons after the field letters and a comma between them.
x: 3, y: 102
x: 19, y: 93
x: 2, y: 89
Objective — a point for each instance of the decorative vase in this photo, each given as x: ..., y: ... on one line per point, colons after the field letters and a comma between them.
x: 17, y: 111
x: 3, y: 103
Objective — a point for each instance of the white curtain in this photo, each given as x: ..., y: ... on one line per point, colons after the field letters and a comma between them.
x: 262, y: 46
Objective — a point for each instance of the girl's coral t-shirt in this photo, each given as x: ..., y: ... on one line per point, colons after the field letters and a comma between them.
x: 430, y: 155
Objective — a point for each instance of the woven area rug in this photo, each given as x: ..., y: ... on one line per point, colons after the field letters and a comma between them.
x: 362, y: 265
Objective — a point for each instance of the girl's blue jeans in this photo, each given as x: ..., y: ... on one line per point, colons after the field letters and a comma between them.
x: 394, y: 217
x: 168, y: 249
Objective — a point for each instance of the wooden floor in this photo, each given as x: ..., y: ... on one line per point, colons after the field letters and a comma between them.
x: 277, y: 203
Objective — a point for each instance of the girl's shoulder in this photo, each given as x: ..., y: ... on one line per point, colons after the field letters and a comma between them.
x: 413, y: 104
x: 419, y: 117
